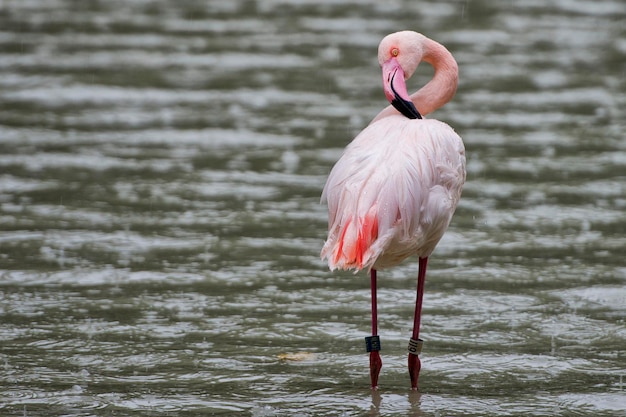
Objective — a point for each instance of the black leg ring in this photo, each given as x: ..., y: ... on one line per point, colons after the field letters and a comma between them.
x: 372, y: 343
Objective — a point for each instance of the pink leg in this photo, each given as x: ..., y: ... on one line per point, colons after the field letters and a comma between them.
x: 373, y: 343
x: 415, y: 345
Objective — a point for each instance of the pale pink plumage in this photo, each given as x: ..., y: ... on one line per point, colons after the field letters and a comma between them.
x: 403, y: 175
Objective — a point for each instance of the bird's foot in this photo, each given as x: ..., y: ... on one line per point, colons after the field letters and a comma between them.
x: 375, y: 365
x: 414, y: 370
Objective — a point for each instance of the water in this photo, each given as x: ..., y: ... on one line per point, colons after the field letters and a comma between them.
x: 160, y: 171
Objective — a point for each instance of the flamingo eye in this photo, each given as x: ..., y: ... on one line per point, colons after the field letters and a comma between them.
x: 395, y: 52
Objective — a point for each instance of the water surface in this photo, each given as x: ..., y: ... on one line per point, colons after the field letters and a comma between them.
x: 160, y: 171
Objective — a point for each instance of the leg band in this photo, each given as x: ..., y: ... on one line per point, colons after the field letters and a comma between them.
x: 372, y: 343
x: 415, y: 346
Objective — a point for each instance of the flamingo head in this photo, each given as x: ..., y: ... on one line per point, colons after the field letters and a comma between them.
x: 399, y: 54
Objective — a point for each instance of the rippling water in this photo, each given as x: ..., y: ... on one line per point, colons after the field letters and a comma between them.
x: 160, y: 171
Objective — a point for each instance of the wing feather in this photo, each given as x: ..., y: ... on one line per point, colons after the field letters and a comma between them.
x: 392, y: 193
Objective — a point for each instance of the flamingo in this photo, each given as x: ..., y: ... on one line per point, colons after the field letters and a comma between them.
x: 394, y: 190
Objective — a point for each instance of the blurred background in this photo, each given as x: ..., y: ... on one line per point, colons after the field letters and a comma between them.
x: 161, y: 164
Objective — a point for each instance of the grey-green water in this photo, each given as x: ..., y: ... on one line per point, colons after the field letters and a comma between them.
x: 160, y: 171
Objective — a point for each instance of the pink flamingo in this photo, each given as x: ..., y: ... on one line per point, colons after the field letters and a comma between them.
x: 394, y: 190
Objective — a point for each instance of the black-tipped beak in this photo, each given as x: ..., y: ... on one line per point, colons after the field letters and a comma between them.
x: 406, y: 107
x: 395, y: 89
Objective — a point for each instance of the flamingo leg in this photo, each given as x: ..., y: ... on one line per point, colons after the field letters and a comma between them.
x: 373, y: 343
x: 415, y: 345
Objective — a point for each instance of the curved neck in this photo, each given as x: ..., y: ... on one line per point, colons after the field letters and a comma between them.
x: 442, y: 87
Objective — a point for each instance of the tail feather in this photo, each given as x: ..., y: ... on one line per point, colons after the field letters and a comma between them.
x: 339, y: 250
x: 367, y: 234
x: 354, y: 239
